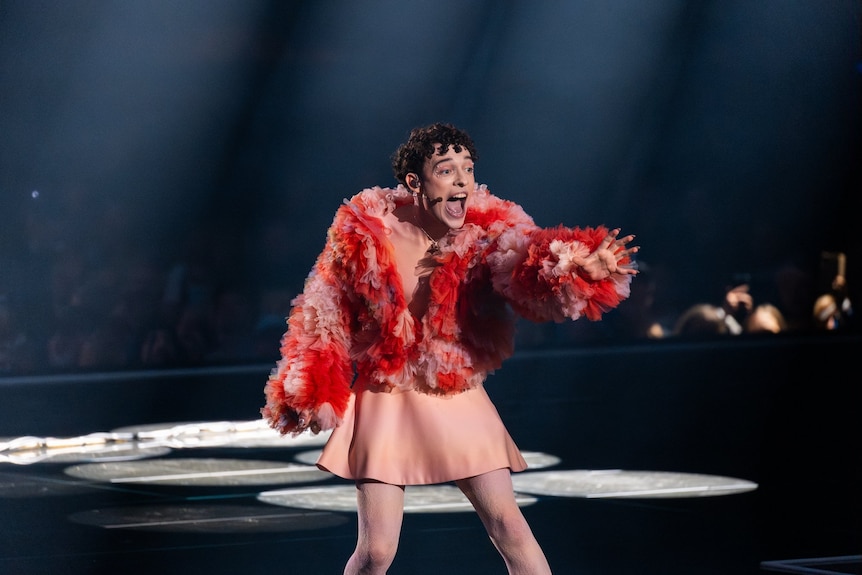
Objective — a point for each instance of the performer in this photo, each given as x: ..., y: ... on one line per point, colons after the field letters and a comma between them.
x: 408, y: 308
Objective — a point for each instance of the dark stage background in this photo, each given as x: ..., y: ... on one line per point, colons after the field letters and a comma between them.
x: 726, y: 135
x: 168, y: 170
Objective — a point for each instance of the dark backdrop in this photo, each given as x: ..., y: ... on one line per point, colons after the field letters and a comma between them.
x: 725, y: 134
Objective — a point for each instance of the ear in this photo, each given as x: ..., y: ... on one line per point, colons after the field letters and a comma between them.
x: 413, y: 181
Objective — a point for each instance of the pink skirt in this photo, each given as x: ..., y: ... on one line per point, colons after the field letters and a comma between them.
x: 412, y: 438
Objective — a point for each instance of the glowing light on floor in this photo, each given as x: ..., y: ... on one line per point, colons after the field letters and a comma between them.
x: 49, y: 451
x: 618, y: 483
x: 134, y: 455
x: 417, y: 498
x: 198, y: 471
x: 153, y: 440
x: 240, y: 434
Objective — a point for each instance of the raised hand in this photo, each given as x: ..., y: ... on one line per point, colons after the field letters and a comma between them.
x: 605, y: 260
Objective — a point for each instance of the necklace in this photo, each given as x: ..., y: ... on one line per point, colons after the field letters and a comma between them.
x: 433, y: 248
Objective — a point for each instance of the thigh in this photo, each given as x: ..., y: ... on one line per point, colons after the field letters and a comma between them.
x: 491, y: 494
x: 380, y: 507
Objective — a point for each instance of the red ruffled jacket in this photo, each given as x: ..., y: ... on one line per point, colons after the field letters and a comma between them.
x: 352, y: 316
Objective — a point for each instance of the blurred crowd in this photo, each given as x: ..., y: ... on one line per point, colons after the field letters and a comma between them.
x: 95, y: 296
x: 94, y: 301
x: 786, y: 300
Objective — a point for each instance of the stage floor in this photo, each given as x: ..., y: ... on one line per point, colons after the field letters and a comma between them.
x: 89, y: 495
x: 178, y: 502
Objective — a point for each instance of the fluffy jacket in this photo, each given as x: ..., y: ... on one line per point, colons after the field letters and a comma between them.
x: 352, y: 316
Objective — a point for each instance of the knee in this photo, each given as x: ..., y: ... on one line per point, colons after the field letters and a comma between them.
x: 376, y: 556
x: 510, y: 531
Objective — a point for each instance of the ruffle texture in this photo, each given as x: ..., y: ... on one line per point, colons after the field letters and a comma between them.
x: 353, y: 315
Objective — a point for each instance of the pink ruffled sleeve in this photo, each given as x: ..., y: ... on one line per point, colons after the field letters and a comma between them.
x: 534, y: 269
x: 310, y: 385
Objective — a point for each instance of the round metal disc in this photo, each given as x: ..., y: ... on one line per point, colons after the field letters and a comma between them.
x: 417, y: 498
x: 619, y: 483
x: 191, y: 471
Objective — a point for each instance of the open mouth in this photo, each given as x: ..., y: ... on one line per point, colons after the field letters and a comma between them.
x: 455, y: 205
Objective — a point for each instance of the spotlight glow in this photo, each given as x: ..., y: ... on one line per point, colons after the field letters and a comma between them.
x: 417, y: 498
x: 618, y: 483
x: 192, y: 471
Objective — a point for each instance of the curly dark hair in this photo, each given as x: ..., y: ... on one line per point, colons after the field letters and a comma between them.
x: 411, y: 155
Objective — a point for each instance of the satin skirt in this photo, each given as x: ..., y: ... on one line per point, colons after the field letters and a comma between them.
x: 413, y: 438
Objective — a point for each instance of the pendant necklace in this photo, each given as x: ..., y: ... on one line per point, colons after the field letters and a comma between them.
x: 433, y: 248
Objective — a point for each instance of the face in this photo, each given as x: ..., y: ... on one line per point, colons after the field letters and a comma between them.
x: 445, y: 186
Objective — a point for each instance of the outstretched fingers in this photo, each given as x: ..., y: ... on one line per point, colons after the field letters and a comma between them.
x: 610, y: 238
x: 616, y: 245
x: 621, y: 242
x: 623, y: 251
x: 630, y: 267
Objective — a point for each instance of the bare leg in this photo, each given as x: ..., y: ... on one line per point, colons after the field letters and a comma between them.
x: 380, y: 507
x: 494, y: 500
